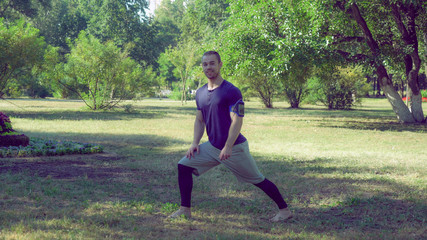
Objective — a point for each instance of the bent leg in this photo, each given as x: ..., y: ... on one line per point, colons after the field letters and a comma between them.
x: 185, y: 182
x: 197, y: 165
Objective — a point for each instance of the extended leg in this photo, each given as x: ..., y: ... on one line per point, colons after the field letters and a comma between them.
x: 273, y: 192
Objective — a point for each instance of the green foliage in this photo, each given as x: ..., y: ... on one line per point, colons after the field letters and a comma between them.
x: 184, y: 58
x: 271, y: 42
x: 166, y: 70
x: 42, y: 147
x: 100, y: 74
x: 9, y: 133
x: 338, y: 87
x: 203, y: 20
x: 167, y: 22
x: 295, y: 79
x: 21, y: 49
x: 176, y: 94
x: 123, y: 22
x: 169, y: 207
x: 62, y: 22
x: 15, y: 9
x: 5, y: 124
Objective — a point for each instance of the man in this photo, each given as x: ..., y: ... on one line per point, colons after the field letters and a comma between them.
x: 220, y: 109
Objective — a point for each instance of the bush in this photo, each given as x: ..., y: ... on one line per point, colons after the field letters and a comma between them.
x: 41, y: 147
x: 101, y: 74
x: 175, y: 95
x: 338, y: 88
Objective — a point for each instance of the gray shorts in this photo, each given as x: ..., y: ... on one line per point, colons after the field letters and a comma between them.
x: 241, y: 163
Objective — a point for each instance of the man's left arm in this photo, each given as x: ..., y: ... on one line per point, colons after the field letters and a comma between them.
x: 233, y: 133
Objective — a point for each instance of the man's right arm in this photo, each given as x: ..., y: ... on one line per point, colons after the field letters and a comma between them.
x: 199, y: 129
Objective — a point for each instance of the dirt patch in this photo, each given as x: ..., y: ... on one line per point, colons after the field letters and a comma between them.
x: 69, y: 167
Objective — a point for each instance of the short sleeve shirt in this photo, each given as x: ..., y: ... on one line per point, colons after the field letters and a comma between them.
x: 215, y: 107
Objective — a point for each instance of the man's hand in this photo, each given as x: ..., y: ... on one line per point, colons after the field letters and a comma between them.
x: 193, y: 148
x: 225, y: 153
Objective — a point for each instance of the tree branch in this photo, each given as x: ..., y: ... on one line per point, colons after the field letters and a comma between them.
x: 373, y: 45
x: 397, y: 18
x: 343, y: 39
x: 276, y: 24
x: 73, y: 90
x: 349, y: 57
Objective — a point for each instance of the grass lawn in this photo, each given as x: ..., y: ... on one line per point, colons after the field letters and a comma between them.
x: 346, y: 175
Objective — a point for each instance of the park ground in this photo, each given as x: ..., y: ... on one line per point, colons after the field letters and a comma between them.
x: 355, y: 174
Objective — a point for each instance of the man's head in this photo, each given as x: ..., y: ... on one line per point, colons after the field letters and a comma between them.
x: 211, y: 63
x: 208, y: 53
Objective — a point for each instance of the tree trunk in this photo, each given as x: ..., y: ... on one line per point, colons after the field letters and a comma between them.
x: 425, y: 52
x: 378, y: 87
x: 402, y: 111
x: 412, y: 60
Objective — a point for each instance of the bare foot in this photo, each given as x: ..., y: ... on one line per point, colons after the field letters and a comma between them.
x: 282, y: 215
x: 186, y: 211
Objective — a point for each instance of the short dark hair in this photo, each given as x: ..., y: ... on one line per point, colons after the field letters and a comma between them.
x: 208, y: 53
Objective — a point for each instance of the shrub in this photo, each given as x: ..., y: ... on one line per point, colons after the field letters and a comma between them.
x: 101, y: 74
x: 338, y: 87
x: 41, y: 147
x: 175, y: 95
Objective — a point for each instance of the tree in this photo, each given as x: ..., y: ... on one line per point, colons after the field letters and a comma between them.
x: 122, y: 21
x: 184, y: 58
x: 166, y: 69
x: 21, y: 48
x: 247, y: 67
x: 61, y: 23
x: 168, y: 21
x: 15, y: 9
x: 380, y: 34
x: 101, y: 74
x: 203, y: 19
x: 277, y: 34
x: 299, y: 70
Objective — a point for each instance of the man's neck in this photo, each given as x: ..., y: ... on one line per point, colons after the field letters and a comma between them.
x: 214, y: 83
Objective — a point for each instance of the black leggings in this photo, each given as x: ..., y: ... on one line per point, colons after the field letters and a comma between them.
x: 185, y: 182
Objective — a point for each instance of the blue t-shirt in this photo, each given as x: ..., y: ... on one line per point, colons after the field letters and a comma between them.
x: 215, y: 106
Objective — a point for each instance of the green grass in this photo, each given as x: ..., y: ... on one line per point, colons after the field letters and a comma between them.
x: 346, y: 175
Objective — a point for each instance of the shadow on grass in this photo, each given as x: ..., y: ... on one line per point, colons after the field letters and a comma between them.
x: 140, y: 112
x: 376, y: 126
x: 174, y: 110
x: 84, y: 115
x: 112, y: 197
x: 370, y: 207
x: 325, y: 113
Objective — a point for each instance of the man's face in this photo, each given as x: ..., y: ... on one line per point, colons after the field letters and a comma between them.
x: 211, y: 66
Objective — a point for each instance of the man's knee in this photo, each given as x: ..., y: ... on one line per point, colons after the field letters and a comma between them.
x: 185, y: 169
